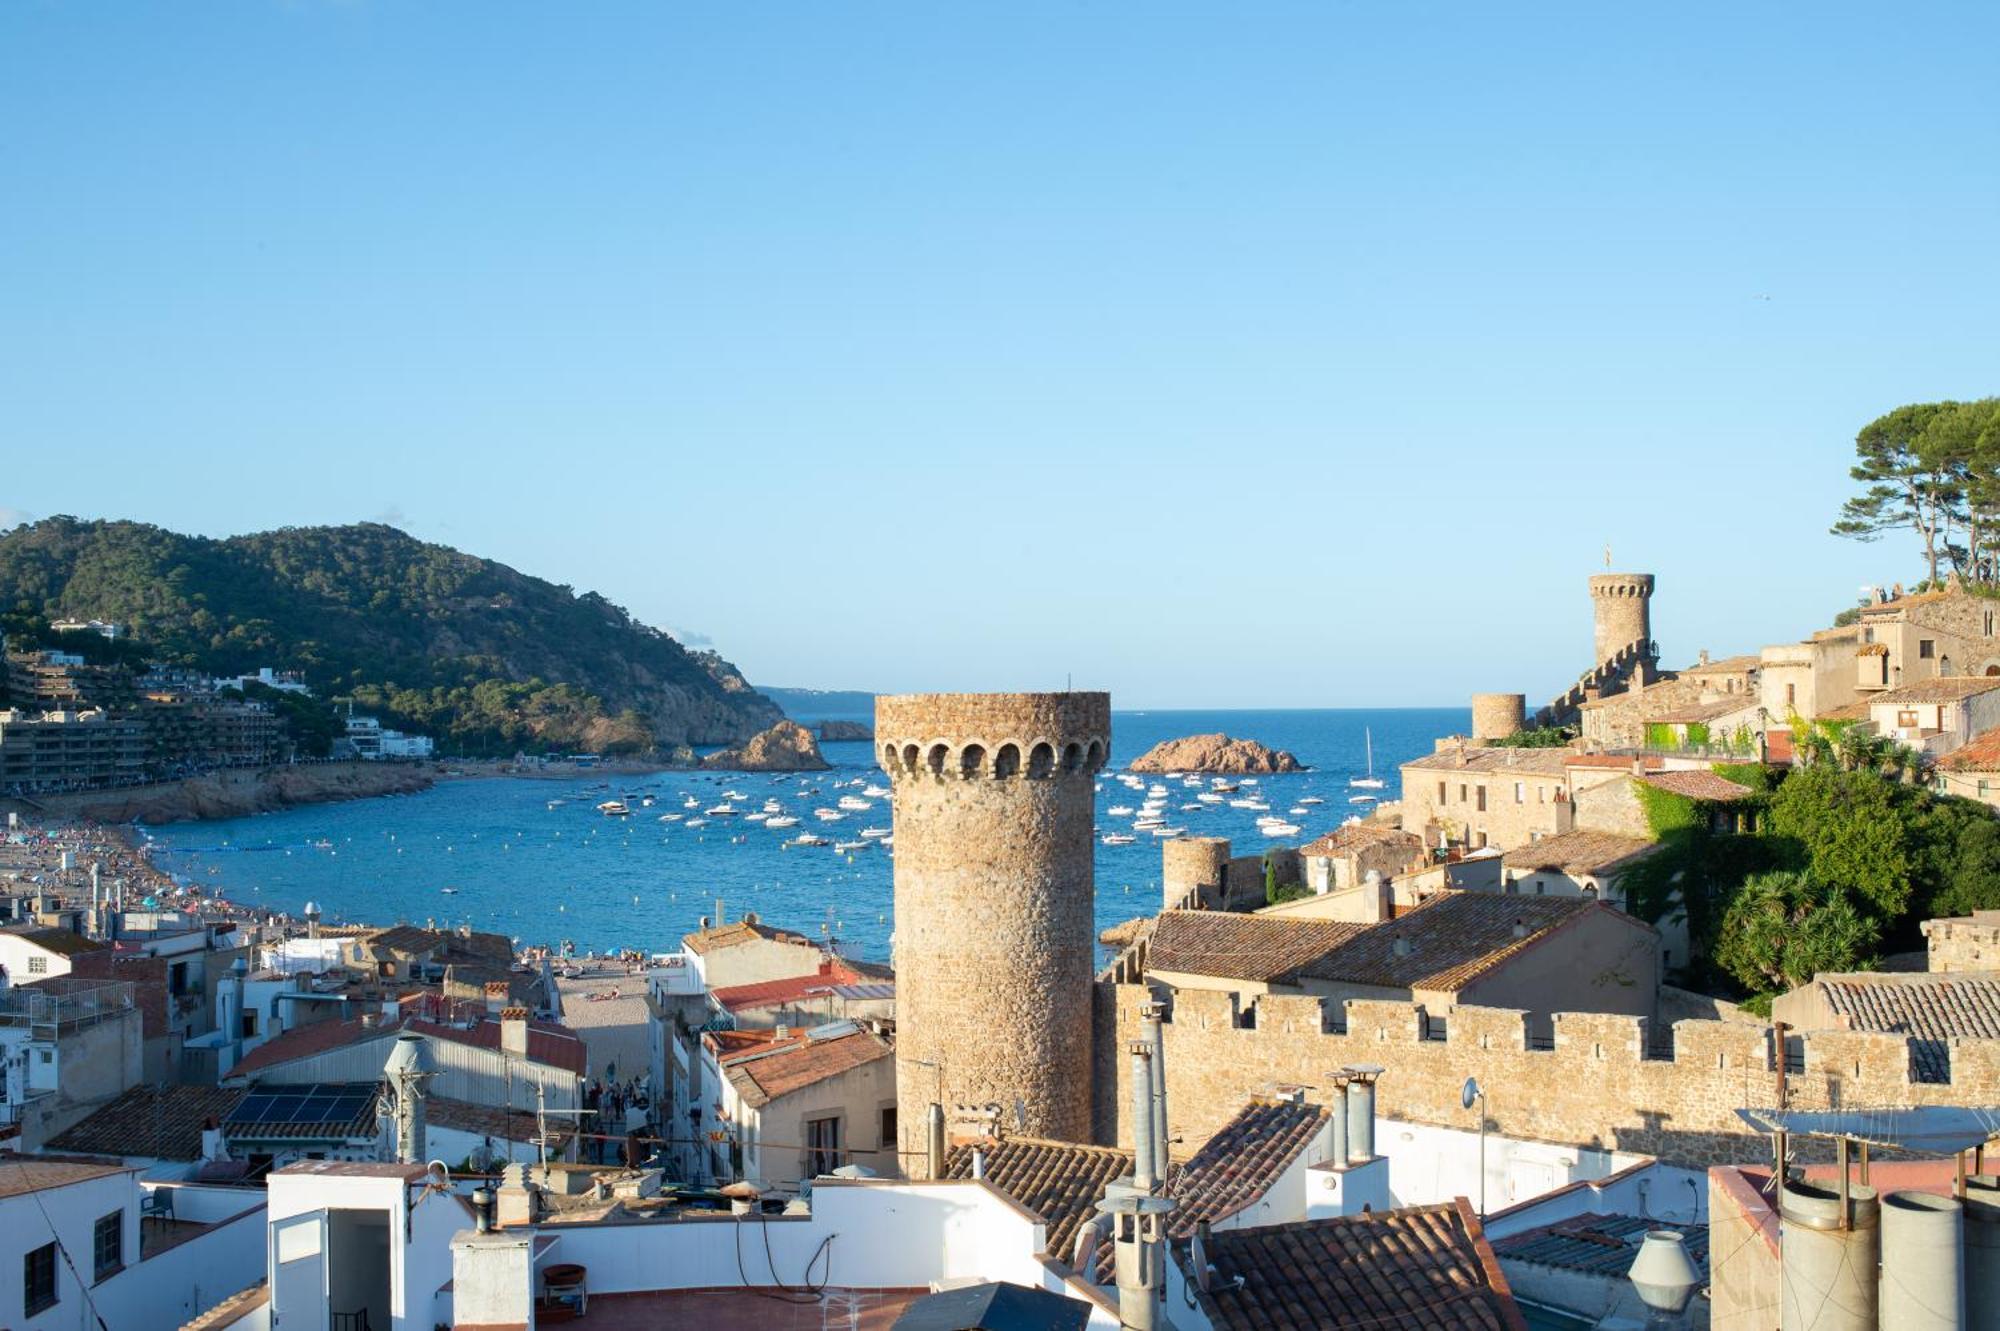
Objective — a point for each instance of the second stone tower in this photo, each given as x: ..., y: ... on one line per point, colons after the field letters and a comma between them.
x: 994, y: 899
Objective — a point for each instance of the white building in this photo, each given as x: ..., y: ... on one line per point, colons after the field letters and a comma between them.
x: 84, y: 1244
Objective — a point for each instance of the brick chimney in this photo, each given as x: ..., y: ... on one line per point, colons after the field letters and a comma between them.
x: 496, y: 996
x: 514, y: 1032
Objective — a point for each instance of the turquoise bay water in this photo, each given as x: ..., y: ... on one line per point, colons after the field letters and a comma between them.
x: 547, y: 875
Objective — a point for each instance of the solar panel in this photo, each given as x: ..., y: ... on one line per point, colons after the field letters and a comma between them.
x: 279, y: 1107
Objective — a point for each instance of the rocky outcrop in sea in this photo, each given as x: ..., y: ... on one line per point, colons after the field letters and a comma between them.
x: 785, y: 747
x: 833, y: 731
x: 1215, y: 753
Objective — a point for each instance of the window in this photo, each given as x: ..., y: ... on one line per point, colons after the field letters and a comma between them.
x: 107, y: 1243
x: 1868, y: 635
x: 1441, y: 794
x: 38, y: 1279
x: 1520, y: 792
x: 1791, y: 694
x: 888, y: 1142
x: 38, y: 965
x: 1461, y: 792
x: 822, y: 1146
x: 1482, y: 798
x: 1982, y: 788
x: 1926, y: 648
x: 1907, y: 719
x: 249, y: 1025
x: 1989, y: 623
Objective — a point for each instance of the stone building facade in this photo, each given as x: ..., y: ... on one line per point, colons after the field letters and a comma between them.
x: 994, y: 945
x: 1964, y: 942
x: 1486, y: 797
x: 1605, y: 1083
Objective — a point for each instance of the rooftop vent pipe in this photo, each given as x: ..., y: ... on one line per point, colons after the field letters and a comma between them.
x: 1361, y: 1111
x: 1828, y: 1260
x: 1143, y: 1154
x: 409, y: 1070
x: 934, y: 1140
x: 1923, y: 1262
x: 1337, y: 1105
x: 1151, y: 1017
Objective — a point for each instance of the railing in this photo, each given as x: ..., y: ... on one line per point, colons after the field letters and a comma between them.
x: 44, y: 1010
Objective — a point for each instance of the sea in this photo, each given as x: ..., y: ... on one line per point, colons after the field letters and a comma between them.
x: 534, y: 859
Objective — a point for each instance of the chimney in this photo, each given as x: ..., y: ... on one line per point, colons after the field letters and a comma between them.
x: 496, y: 996
x: 1361, y: 1111
x: 1152, y: 1026
x: 514, y: 1032
x: 1377, y: 898
x: 1138, y: 1242
x: 409, y: 1070
x: 934, y: 1140
x: 312, y: 921
x: 1337, y: 1110
x: 1144, y: 1154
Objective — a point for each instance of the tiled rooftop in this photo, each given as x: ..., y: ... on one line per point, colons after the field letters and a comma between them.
x: 1423, y: 1266
x: 1698, y: 785
x: 1981, y: 753
x: 792, y: 989
x: 22, y: 1174
x: 62, y: 942
x: 160, y: 1122
x: 1548, y: 762
x: 1242, y: 947
x: 737, y: 932
x: 1694, y: 713
x: 1930, y: 1008
x: 1453, y: 939
x: 1578, y: 852
x: 781, y: 1067
x: 1238, y: 1165
x: 1596, y: 1244
x: 1950, y: 688
x: 304, y: 1041
x: 1061, y: 1182
x: 1349, y: 838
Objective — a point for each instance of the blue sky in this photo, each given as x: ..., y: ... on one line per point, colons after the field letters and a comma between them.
x: 1245, y: 354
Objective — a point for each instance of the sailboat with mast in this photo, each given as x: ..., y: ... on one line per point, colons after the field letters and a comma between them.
x: 1370, y: 781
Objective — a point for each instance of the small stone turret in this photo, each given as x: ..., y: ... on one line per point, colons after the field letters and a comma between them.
x: 1623, y: 604
x: 1498, y: 715
x: 994, y: 889
x: 1188, y: 864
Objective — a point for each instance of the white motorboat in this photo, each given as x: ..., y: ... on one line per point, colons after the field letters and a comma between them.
x: 875, y: 792
x: 781, y: 822
x: 672, y: 817
x: 1119, y: 839
x: 1311, y: 799
x: 721, y: 811
x: 828, y: 815
x: 849, y: 847
x: 808, y: 839
x: 874, y: 834
x: 614, y: 809
x: 1364, y: 799
x: 1248, y: 804
x: 695, y: 822
x: 1279, y: 829
x: 1120, y: 811
x: 1169, y: 833
x: 1209, y: 797
x: 757, y: 817
x: 855, y: 804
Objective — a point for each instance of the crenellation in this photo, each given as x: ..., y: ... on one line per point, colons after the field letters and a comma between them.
x: 1596, y: 1087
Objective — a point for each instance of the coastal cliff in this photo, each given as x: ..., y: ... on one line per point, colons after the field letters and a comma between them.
x: 785, y: 747
x: 1214, y: 753
x: 240, y: 792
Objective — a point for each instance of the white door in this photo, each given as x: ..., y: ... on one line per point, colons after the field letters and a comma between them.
x: 298, y: 1273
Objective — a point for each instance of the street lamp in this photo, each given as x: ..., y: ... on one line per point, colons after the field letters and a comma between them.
x: 1466, y: 1097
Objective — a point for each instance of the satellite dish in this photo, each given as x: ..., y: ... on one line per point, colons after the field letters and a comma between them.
x: 1469, y: 1093
x: 438, y: 1174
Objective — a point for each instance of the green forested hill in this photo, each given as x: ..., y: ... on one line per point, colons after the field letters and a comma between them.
x: 484, y: 657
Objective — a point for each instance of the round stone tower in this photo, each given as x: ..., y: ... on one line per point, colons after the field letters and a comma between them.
x: 1188, y: 863
x: 1498, y: 715
x: 994, y: 942
x: 1624, y: 606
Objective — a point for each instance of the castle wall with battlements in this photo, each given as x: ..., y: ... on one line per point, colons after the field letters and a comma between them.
x: 1601, y: 1085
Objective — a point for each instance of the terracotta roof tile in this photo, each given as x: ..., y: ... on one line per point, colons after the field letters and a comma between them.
x: 1981, y: 753
x: 1578, y: 852
x: 1422, y: 1266
x: 1698, y: 785
x: 1931, y: 1009
x: 1548, y: 762
x: 1240, y: 1163
x: 160, y: 1122
x: 792, y: 989
x: 762, y: 1075
x: 1698, y: 713
x: 304, y: 1042
x: 1949, y: 688
x: 1242, y: 947
x: 406, y: 938
x: 1595, y: 1244
x: 1452, y: 939
x: 737, y: 932
x: 62, y: 942
x: 549, y: 1044
x: 1349, y: 838
x: 1061, y: 1182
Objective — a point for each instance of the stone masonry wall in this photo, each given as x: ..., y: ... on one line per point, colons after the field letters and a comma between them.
x: 994, y: 945
x: 1966, y: 943
x: 1596, y: 1088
